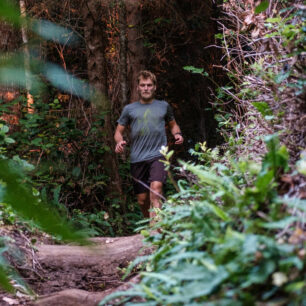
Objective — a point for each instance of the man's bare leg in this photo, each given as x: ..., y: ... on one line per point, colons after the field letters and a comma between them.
x: 155, y: 199
x: 143, y: 200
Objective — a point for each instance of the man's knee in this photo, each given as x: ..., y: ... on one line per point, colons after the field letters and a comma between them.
x: 156, y: 189
x: 142, y: 198
x: 155, y: 185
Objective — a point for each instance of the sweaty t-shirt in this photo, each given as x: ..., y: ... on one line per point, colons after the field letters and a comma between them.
x: 147, y: 122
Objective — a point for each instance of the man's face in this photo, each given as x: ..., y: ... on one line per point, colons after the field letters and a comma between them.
x: 146, y: 89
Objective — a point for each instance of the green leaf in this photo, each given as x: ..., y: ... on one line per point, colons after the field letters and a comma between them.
x: 51, y: 31
x: 36, y: 141
x: 273, y: 20
x: 203, y: 175
x: 65, y: 81
x: 23, y: 163
x: 216, y: 210
x: 145, y: 233
x: 9, y: 12
x: 16, y: 76
x: 263, y: 108
x: 269, y: 118
x: 262, y: 7
x: 160, y: 276
x: 206, y: 285
x: 56, y: 194
x: 193, y: 69
x: 293, y: 202
x: 76, y: 171
x: 292, y: 261
x: 280, y: 224
x: 29, y: 207
x: 4, y: 280
x: 219, y: 36
x: 295, y: 287
x: 264, y: 179
x: 259, y: 274
x: 9, y: 140
x: 4, y: 128
x: 282, y: 76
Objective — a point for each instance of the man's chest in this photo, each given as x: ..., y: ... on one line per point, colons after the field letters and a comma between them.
x: 145, y: 115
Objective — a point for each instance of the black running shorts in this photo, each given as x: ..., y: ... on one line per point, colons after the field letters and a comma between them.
x: 145, y: 172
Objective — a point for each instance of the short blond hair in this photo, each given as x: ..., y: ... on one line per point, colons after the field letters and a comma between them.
x: 146, y: 74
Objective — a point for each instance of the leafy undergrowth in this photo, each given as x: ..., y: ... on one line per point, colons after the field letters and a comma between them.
x: 228, y: 238
x: 263, y: 48
x: 64, y: 168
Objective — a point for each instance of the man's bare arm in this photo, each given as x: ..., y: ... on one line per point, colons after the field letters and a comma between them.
x: 120, y: 142
x: 176, y: 132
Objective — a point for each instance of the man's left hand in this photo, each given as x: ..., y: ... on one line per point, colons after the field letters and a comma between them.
x: 178, y: 139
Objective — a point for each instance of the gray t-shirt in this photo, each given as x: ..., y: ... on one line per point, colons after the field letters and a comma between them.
x: 147, y: 122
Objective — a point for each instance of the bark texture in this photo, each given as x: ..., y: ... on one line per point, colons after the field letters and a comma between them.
x: 94, y: 16
x: 136, y: 52
x: 123, y: 53
x: 24, y: 34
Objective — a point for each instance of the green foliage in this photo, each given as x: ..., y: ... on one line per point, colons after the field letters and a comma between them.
x: 7, y: 215
x: 214, y: 248
x: 195, y: 70
x: 20, y: 203
x: 263, y: 108
x: 95, y: 223
x: 9, y: 12
x: 54, y: 141
x: 16, y: 193
x: 41, y: 137
x: 262, y: 7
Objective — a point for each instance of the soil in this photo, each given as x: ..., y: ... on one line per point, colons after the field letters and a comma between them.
x: 68, y: 274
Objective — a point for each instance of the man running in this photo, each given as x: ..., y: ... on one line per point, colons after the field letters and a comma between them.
x: 147, y: 118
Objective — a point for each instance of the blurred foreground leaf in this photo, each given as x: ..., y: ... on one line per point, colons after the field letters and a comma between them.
x: 9, y: 12
x: 65, y: 81
x: 262, y: 7
x: 51, y: 31
x: 15, y: 193
x: 4, y: 281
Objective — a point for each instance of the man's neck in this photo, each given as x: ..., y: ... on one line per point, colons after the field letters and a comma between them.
x: 146, y: 101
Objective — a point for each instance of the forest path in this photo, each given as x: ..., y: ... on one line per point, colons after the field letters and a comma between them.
x: 83, y: 275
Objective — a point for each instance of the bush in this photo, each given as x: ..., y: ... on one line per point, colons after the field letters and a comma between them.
x: 218, y: 244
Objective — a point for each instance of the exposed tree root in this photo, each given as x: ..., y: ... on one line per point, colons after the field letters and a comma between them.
x: 83, y: 275
x: 76, y: 297
x: 96, y: 267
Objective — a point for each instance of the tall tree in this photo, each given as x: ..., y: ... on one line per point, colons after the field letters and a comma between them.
x: 123, y: 52
x: 26, y: 51
x: 94, y: 30
x: 136, y: 51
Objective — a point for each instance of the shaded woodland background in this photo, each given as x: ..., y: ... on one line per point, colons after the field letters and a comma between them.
x: 116, y: 39
x: 234, y: 72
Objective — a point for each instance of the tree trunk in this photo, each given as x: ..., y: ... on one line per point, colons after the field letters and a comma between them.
x: 76, y: 297
x: 97, y: 73
x: 136, y: 53
x: 123, y: 53
x: 30, y: 100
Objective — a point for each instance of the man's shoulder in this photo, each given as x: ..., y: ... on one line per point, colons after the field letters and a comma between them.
x: 131, y: 105
x: 162, y: 102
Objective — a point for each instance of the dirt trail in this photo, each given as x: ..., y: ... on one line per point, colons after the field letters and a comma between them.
x: 83, y: 275
x: 70, y: 274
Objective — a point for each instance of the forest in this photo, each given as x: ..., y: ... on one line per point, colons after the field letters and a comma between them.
x: 231, y: 229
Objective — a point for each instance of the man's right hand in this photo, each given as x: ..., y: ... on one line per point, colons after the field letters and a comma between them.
x: 120, y: 146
